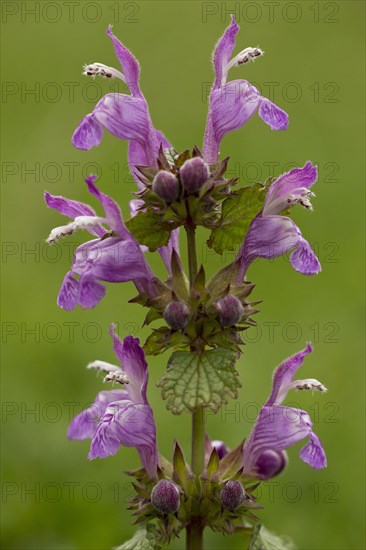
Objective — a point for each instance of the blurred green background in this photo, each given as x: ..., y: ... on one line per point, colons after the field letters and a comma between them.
x: 53, y: 497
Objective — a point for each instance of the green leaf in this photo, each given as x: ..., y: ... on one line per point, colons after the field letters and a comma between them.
x: 213, y: 463
x: 231, y: 463
x: 206, y: 379
x: 182, y: 473
x: 180, y: 283
x: 218, y: 284
x: 262, y: 539
x: 152, y: 315
x: 200, y: 280
x: 238, y: 211
x: 149, y: 230
x: 143, y: 539
x: 163, y: 338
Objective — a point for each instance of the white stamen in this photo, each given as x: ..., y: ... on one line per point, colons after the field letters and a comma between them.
x: 80, y: 222
x: 307, y: 384
x: 313, y: 385
x: 117, y: 376
x: 99, y: 69
x: 245, y: 56
x: 103, y: 366
x: 303, y: 199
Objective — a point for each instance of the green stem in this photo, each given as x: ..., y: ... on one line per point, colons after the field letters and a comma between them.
x: 195, y: 529
x: 198, y: 441
x: 194, y: 536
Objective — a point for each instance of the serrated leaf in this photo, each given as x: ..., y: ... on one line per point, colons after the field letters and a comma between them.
x: 149, y: 230
x: 206, y: 379
x: 143, y: 539
x: 163, y: 338
x: 262, y: 539
x: 238, y: 211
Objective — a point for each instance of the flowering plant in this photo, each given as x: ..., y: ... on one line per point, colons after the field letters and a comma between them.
x: 201, y: 318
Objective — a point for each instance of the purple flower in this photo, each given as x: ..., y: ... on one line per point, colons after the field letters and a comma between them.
x: 84, y: 425
x: 278, y: 427
x: 113, y: 256
x: 121, y: 417
x: 233, y: 103
x: 271, y: 235
x: 125, y: 116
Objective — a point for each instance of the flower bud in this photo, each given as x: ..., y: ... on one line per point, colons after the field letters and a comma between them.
x: 271, y: 463
x: 193, y: 174
x: 232, y: 495
x: 221, y: 448
x: 230, y: 310
x: 166, y: 186
x: 176, y: 315
x: 165, y: 496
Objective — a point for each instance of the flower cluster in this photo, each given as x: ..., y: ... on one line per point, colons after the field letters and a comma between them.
x: 202, y: 320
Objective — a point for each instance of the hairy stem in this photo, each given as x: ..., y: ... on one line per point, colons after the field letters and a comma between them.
x: 195, y: 529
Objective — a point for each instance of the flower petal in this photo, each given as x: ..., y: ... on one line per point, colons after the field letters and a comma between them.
x: 132, y: 360
x: 277, y: 428
x: 272, y: 236
x: 88, y: 134
x: 129, y: 424
x: 223, y: 51
x: 90, y: 291
x: 73, y: 209
x: 304, y: 259
x: 84, y: 425
x: 313, y: 453
x: 127, y: 117
x: 111, y: 209
x: 272, y: 115
x: 167, y: 251
x: 285, y: 373
x: 129, y: 64
x: 67, y: 297
x: 270, y: 463
x: 68, y: 207
x: 289, y: 187
x: 231, y: 106
x: 112, y: 260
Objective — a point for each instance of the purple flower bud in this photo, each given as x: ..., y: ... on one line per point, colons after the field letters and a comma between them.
x: 193, y: 174
x: 221, y: 448
x: 230, y: 310
x: 165, y: 496
x: 166, y: 185
x: 271, y: 463
x: 176, y: 314
x: 232, y: 495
